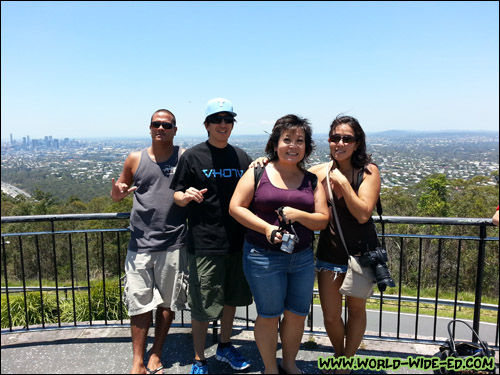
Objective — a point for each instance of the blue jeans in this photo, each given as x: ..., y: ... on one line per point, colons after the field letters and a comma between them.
x: 279, y: 280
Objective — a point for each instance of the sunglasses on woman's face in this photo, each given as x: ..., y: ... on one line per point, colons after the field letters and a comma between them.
x: 347, y: 139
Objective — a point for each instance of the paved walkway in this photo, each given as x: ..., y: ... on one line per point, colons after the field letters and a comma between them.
x: 108, y: 350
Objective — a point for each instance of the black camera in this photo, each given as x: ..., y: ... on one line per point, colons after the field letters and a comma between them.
x: 377, y: 259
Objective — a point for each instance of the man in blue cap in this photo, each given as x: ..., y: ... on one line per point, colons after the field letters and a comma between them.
x: 206, y: 177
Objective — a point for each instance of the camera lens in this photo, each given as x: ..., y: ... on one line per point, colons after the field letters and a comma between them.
x: 377, y: 259
x: 383, y: 277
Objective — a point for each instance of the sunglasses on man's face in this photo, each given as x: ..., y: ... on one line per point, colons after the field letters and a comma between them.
x: 218, y: 119
x: 166, y: 125
x: 347, y: 139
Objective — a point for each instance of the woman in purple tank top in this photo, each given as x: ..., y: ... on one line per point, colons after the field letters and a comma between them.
x: 281, y: 211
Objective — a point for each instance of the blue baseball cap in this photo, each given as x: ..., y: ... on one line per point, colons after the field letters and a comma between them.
x: 219, y: 105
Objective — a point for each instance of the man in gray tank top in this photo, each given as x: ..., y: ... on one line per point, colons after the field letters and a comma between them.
x: 156, y: 263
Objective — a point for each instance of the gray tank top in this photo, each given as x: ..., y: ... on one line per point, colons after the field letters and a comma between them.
x: 156, y: 222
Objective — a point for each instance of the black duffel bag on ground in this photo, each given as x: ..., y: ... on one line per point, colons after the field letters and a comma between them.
x: 464, y: 349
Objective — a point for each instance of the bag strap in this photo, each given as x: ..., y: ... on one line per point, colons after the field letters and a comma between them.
x: 257, y: 175
x: 328, y: 166
x: 258, y: 171
x: 483, y: 344
x: 314, y: 180
x: 360, y: 179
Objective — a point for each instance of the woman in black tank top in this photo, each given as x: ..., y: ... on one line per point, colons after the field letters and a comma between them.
x: 355, y: 183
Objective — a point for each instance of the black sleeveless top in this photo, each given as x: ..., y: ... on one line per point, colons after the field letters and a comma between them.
x: 358, y: 237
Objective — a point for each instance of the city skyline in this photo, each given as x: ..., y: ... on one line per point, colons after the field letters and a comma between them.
x: 12, y: 140
x: 100, y: 69
x: 403, y: 158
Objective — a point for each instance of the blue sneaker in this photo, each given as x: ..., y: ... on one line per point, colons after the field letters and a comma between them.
x: 196, y: 369
x: 232, y: 356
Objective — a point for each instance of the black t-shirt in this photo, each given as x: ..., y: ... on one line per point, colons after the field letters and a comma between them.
x: 211, y: 229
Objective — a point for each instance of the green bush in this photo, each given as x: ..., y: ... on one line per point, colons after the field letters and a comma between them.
x: 68, y: 312
x: 33, y: 307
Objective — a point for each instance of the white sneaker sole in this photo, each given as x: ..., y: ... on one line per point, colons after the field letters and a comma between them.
x: 224, y: 359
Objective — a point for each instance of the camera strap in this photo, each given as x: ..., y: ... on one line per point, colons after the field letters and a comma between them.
x: 284, y: 226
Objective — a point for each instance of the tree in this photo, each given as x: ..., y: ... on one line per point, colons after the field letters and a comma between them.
x: 434, y: 199
x: 398, y: 202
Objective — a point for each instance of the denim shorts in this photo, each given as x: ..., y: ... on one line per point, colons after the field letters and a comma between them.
x: 325, y: 266
x: 279, y: 280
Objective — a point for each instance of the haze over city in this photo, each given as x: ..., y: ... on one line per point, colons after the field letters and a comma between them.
x: 404, y: 159
x: 100, y: 69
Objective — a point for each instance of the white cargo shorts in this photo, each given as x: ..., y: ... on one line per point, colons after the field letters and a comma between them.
x: 156, y: 279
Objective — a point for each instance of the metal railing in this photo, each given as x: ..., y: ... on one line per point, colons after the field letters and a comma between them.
x: 89, y: 262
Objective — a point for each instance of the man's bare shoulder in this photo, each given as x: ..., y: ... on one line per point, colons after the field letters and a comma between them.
x: 132, y: 160
x: 133, y: 157
x: 134, y: 154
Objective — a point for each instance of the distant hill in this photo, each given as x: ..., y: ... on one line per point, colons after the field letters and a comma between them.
x: 387, y: 133
x: 392, y: 133
x: 448, y: 133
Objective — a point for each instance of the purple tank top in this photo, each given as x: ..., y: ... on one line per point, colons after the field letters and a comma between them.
x: 268, y: 198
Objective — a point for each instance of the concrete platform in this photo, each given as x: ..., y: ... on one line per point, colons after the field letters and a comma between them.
x: 108, y: 350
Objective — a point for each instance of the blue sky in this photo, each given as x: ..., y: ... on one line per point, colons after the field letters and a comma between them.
x: 100, y: 69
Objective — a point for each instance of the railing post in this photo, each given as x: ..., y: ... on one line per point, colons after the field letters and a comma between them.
x: 104, y: 279
x: 40, y: 279
x: 246, y: 317
x: 215, y: 332
x: 310, y: 316
x: 54, y: 255
x: 479, y: 280
x: 6, y: 281
x: 119, y: 276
